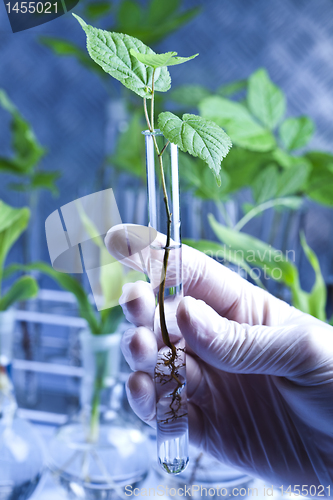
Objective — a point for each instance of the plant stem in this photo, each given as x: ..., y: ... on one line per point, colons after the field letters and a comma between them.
x: 257, y: 210
x: 164, y: 330
x: 146, y: 113
x: 164, y: 147
x: 94, y: 417
x: 224, y: 213
x: 152, y: 103
x: 101, y: 362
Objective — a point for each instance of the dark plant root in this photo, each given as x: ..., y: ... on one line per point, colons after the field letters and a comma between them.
x: 170, y: 359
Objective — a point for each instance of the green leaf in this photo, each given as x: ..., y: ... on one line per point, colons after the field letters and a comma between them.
x: 130, y: 149
x: 189, y: 95
x: 28, y: 151
x: 317, y: 297
x: 196, y: 177
x: 197, y: 136
x: 270, y: 183
x: 238, y: 122
x: 284, y: 159
x: 172, y: 24
x: 232, y: 88
x: 295, y: 133
x: 242, y: 167
x: 159, y: 11
x: 39, y: 180
x: 247, y: 207
x: 112, y: 52
x: 160, y: 60
x: 68, y: 283
x: 111, y: 318
x: 293, y: 180
x: 276, y: 265
x: 320, y: 184
x: 9, y: 166
x: 13, y: 221
x: 96, y: 10
x: 189, y: 172
x: 6, y: 103
x: 130, y: 14
x: 251, y: 211
x: 111, y: 271
x: 23, y: 289
x: 265, y: 184
x: 265, y: 100
x: 45, y: 180
x: 155, y: 22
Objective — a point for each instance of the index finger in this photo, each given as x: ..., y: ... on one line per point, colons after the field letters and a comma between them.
x: 203, y: 278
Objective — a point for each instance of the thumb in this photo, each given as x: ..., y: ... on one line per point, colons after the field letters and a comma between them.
x: 240, y: 348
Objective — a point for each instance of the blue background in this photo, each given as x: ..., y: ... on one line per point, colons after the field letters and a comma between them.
x: 67, y: 105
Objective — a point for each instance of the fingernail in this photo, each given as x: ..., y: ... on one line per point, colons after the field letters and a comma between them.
x: 202, y: 318
x: 193, y: 310
x: 125, y: 341
x: 127, y: 294
x: 116, y: 242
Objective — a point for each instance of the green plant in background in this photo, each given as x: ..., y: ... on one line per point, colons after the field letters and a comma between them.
x: 112, y: 278
x: 25, y: 175
x: 27, y: 154
x: 130, y: 159
x: 266, y: 155
x: 255, y: 125
x: 248, y: 252
x: 320, y: 183
x: 265, y: 158
x: 107, y: 320
x: 13, y: 221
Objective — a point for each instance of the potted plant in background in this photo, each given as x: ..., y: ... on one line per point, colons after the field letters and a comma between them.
x: 263, y: 159
x: 23, y: 165
x: 102, y: 448
x: 21, y: 455
x: 260, y: 260
x: 26, y: 178
x: 272, y: 187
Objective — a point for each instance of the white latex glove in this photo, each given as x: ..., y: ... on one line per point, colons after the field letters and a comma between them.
x: 259, y: 372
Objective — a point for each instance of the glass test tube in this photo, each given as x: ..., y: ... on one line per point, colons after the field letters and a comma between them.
x: 170, y: 371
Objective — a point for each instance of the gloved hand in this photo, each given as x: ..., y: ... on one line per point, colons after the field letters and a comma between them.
x: 259, y: 372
